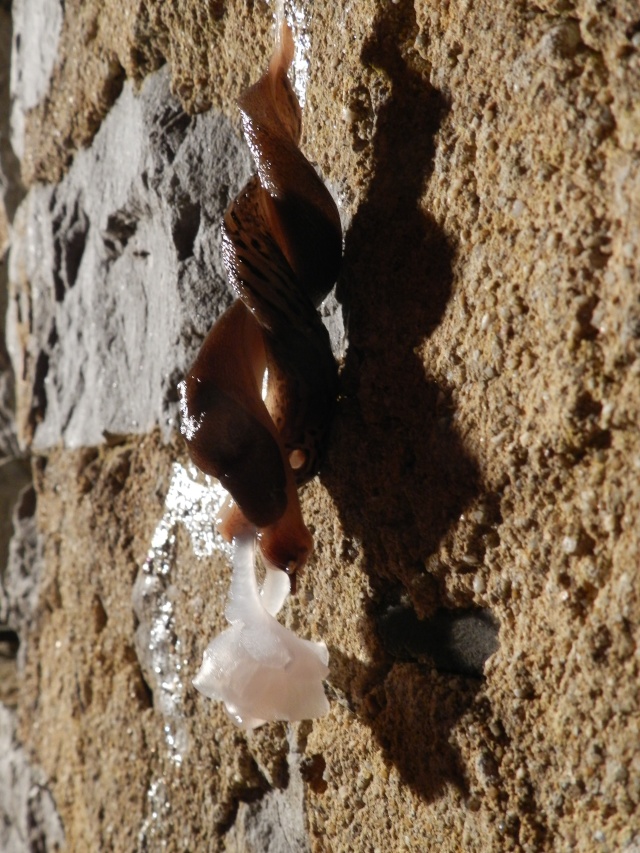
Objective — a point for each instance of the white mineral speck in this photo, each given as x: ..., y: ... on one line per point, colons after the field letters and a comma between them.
x: 479, y: 584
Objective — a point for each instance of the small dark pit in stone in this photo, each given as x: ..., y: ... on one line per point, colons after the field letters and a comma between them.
x: 9, y: 644
x: 312, y: 769
x: 70, y: 230
x: 600, y: 439
x: 457, y: 641
x: 121, y: 226
x: 39, y: 395
x: 142, y: 692
x: 586, y: 406
x: 27, y: 504
x: 99, y: 614
x: 185, y: 229
x: 633, y: 29
x: 584, y: 316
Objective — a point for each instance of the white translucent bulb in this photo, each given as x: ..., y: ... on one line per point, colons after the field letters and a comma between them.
x: 261, y: 670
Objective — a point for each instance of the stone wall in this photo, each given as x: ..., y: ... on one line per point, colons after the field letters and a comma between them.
x: 475, y: 573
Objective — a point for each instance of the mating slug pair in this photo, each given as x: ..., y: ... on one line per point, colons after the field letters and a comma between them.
x: 282, y: 246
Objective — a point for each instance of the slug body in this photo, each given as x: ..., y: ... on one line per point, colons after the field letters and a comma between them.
x: 282, y: 245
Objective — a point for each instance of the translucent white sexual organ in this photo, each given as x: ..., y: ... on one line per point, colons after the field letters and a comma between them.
x: 261, y: 670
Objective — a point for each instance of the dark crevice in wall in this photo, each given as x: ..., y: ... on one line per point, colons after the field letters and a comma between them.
x: 456, y: 641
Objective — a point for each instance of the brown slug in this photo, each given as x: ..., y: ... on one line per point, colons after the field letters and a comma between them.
x: 282, y: 247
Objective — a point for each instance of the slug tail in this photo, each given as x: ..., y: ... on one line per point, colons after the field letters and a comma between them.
x: 285, y: 47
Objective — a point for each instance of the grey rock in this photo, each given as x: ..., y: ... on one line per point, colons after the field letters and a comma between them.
x: 15, y: 500
x: 10, y: 185
x: 116, y: 273
x: 275, y: 822
x: 36, y: 32
x: 14, y: 472
x: 20, y: 581
x: 10, y: 194
x: 28, y: 817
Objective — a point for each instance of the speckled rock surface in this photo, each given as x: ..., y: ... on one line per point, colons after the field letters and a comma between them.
x: 485, y: 455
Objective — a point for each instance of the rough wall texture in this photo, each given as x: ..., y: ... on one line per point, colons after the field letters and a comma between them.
x: 485, y: 456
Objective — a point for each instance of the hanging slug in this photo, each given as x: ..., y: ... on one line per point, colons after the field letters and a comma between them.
x: 282, y: 245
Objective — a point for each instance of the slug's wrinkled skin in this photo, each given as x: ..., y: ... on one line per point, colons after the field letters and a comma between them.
x: 282, y: 245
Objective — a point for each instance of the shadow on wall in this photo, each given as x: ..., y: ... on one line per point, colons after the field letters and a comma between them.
x: 398, y: 472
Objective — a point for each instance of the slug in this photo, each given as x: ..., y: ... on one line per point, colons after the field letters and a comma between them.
x: 282, y: 248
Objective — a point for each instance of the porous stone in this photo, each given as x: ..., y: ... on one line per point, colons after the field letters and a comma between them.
x: 484, y: 456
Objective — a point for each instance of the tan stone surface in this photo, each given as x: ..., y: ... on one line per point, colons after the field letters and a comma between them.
x: 486, y: 449
x: 86, y: 707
